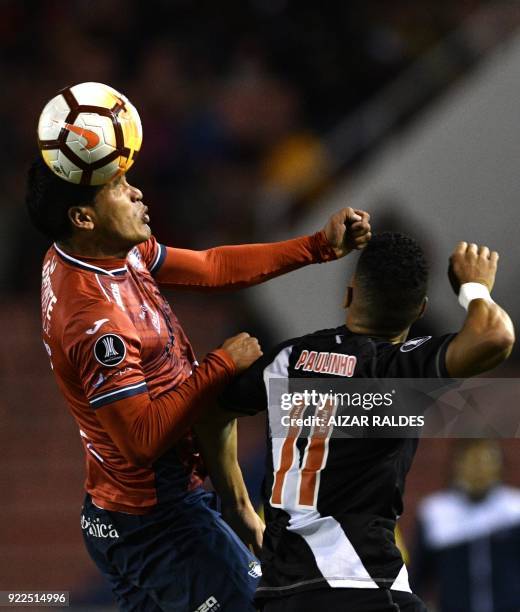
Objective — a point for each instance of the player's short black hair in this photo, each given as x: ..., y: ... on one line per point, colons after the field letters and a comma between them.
x: 48, y: 199
x: 392, y: 275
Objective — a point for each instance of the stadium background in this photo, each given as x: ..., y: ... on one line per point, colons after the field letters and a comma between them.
x: 259, y: 117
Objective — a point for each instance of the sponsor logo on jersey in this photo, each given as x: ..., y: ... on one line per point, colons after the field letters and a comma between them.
x: 117, y: 295
x: 49, y: 299
x: 337, y: 364
x: 110, y: 350
x: 97, y: 324
x: 414, y: 343
x: 210, y: 605
x: 97, y: 529
x: 255, y: 569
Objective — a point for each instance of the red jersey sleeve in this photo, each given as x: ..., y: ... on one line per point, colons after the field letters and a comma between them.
x: 144, y: 429
x: 105, y: 351
x: 233, y: 266
x: 153, y: 254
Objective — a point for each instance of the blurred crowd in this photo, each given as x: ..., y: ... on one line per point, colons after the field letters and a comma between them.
x: 234, y: 98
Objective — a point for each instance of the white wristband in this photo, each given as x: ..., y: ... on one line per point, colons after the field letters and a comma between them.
x: 473, y: 291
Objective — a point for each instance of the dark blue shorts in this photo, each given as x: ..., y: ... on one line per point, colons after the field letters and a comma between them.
x: 180, y: 558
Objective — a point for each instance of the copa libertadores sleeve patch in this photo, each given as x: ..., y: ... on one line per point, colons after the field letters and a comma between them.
x: 110, y: 350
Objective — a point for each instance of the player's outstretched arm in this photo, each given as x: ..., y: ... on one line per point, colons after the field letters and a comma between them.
x: 143, y: 428
x: 487, y: 336
x: 245, y: 265
x: 217, y: 437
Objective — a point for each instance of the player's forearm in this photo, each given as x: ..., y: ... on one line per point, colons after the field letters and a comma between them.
x: 217, y: 439
x: 485, y: 341
x: 242, y: 265
x: 144, y: 429
x: 493, y: 332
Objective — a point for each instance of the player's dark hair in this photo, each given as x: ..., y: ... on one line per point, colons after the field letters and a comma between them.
x: 49, y: 198
x: 392, y: 275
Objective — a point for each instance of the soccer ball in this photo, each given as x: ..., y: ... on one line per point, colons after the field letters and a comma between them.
x: 89, y: 133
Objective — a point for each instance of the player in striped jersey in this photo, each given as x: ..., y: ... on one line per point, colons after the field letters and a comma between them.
x: 331, y: 503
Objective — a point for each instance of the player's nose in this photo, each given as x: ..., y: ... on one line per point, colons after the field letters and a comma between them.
x: 137, y: 194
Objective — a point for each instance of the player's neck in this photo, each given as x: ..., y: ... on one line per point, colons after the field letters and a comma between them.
x: 358, y: 327
x: 92, y: 248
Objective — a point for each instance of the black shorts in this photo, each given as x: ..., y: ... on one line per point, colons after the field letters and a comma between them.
x: 346, y: 600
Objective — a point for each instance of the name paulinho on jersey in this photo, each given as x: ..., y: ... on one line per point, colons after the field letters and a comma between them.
x: 331, y: 504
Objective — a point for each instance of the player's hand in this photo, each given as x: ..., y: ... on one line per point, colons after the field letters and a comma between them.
x: 243, y: 349
x: 347, y: 230
x: 471, y: 263
x: 246, y: 523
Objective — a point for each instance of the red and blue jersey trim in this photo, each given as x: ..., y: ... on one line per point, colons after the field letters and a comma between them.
x: 159, y: 259
x: 108, y: 397
x: 88, y: 267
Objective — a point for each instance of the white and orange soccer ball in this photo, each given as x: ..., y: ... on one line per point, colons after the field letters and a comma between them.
x: 89, y: 133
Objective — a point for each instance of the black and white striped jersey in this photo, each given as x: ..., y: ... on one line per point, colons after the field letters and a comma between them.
x: 331, y: 508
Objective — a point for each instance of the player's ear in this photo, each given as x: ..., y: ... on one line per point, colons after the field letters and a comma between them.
x: 81, y: 217
x: 348, y: 297
x: 424, y: 306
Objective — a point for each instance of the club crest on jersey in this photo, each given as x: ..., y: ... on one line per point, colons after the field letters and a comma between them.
x: 414, y: 343
x: 324, y: 362
x: 110, y: 350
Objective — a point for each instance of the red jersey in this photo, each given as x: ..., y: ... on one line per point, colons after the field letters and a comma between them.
x: 126, y: 368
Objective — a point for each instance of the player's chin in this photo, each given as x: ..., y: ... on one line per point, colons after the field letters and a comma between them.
x: 146, y: 231
x: 141, y: 234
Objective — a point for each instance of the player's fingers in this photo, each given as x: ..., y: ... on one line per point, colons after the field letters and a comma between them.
x: 483, y: 252
x: 363, y: 214
x: 342, y: 215
x: 461, y: 248
x: 473, y: 249
x: 257, y: 350
x: 241, y: 336
x: 359, y: 238
x: 253, y: 344
x: 361, y: 222
x: 360, y: 227
x: 494, y: 257
x: 363, y: 241
x: 350, y: 216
